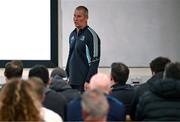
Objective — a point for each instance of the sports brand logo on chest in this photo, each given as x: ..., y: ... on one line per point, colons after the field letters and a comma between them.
x: 72, y: 39
x: 82, y: 38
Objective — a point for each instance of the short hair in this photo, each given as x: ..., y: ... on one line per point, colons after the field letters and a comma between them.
x: 94, y: 103
x: 40, y: 71
x: 84, y: 9
x: 172, y: 70
x: 13, y: 69
x: 119, y: 72
x: 58, y: 71
x: 158, y: 64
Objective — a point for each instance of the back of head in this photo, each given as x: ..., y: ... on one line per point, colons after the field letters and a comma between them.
x: 172, y: 70
x: 40, y: 71
x: 95, y: 105
x: 13, y: 69
x: 58, y: 72
x: 158, y: 64
x: 37, y: 86
x: 100, y: 81
x: 119, y: 73
x: 18, y: 102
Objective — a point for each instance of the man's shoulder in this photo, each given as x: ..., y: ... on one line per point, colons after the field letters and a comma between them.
x: 91, y: 31
x: 51, y: 94
x: 114, y: 101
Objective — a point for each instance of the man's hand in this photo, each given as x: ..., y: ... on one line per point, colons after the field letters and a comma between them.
x: 86, y: 86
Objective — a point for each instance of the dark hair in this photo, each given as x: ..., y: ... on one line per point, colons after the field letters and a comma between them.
x: 13, y: 69
x: 158, y: 64
x: 84, y: 9
x: 172, y: 70
x: 40, y: 71
x: 119, y: 72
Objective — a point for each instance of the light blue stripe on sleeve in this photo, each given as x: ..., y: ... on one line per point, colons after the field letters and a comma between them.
x: 88, y: 55
x: 95, y: 42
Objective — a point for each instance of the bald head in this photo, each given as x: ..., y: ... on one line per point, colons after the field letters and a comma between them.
x: 100, y: 81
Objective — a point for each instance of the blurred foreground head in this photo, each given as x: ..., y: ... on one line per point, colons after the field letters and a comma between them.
x: 18, y: 102
x: 94, y: 106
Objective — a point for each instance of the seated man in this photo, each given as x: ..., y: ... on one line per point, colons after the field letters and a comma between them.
x: 52, y: 100
x: 94, y: 106
x: 47, y: 114
x: 162, y: 101
x: 157, y: 67
x: 120, y: 90
x: 101, y: 82
x: 60, y: 85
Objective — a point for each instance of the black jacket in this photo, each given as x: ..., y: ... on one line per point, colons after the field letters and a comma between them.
x: 55, y: 102
x: 161, y: 102
x: 140, y: 90
x: 124, y: 93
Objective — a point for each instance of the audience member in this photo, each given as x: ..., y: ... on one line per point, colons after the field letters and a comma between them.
x: 13, y: 69
x: 162, y: 101
x: 18, y: 102
x: 120, y: 90
x: 101, y: 82
x: 48, y: 115
x: 60, y: 85
x: 157, y: 67
x: 52, y: 100
x: 94, y: 106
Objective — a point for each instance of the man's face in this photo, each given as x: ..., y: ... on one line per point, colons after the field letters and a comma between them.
x: 80, y: 19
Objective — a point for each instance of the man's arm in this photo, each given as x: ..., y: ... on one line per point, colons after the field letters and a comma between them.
x: 94, y: 53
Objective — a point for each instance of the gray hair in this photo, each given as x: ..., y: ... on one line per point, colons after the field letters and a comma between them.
x: 95, y: 103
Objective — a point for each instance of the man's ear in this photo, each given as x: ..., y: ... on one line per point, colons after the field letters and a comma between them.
x: 4, y: 73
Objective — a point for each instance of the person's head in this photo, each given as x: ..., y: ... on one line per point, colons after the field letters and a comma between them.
x: 100, y: 81
x: 58, y: 72
x: 80, y: 17
x: 40, y: 71
x: 18, y: 102
x: 38, y: 87
x: 13, y: 69
x: 94, y: 106
x: 172, y: 71
x: 119, y: 73
x: 158, y: 64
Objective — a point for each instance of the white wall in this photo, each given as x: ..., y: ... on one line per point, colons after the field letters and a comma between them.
x: 131, y: 31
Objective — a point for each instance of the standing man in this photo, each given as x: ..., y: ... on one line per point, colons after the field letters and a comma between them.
x: 84, y: 52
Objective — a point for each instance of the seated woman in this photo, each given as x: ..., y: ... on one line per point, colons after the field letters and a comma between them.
x: 18, y: 102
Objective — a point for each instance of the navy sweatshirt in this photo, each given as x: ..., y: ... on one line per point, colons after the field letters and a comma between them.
x: 84, y: 55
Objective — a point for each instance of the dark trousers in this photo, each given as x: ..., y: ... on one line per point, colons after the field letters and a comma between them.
x: 78, y: 87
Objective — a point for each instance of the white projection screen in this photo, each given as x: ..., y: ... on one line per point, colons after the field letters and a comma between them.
x: 29, y: 32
